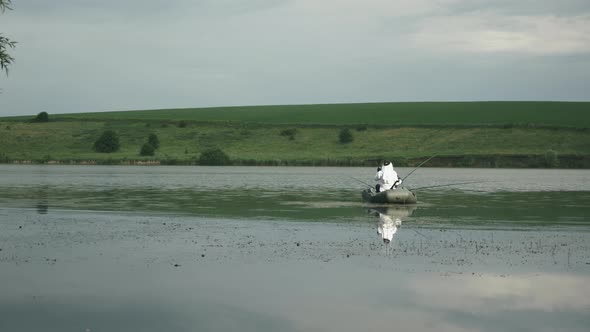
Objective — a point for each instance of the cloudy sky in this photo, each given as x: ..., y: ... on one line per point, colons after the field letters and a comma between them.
x: 98, y: 55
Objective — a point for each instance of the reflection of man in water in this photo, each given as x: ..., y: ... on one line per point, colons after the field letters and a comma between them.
x: 386, y: 227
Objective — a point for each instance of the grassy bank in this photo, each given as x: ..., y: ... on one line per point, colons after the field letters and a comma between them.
x: 68, y: 139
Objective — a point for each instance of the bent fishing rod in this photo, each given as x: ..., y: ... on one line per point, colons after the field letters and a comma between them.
x: 422, y: 163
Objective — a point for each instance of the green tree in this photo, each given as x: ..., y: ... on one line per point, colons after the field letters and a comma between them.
x: 147, y: 149
x: 154, y: 141
x: 5, y: 43
x: 214, y: 157
x: 42, y: 117
x: 107, y: 142
x: 345, y: 136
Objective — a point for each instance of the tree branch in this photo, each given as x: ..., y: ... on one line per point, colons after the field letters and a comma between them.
x: 4, y: 5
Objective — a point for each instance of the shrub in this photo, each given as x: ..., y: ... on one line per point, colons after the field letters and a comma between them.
x: 551, y: 159
x: 214, y: 157
x: 147, y: 149
x: 154, y: 141
x: 3, y: 157
x: 182, y: 124
x: 289, y: 133
x: 42, y: 117
x: 107, y: 142
x: 345, y: 136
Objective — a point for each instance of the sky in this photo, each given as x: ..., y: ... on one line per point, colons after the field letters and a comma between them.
x: 110, y: 55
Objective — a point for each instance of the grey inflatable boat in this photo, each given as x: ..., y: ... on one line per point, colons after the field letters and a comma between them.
x: 400, y: 195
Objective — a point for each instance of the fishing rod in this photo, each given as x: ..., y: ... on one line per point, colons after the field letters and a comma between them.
x: 422, y: 163
x: 361, y: 181
x: 446, y: 185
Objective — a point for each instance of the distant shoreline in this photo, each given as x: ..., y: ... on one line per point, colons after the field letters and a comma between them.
x: 470, y: 134
x: 468, y: 161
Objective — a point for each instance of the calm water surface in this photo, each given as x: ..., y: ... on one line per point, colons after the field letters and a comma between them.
x: 103, y: 248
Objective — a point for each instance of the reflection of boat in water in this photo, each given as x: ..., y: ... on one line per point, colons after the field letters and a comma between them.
x: 400, y: 195
x: 394, y: 211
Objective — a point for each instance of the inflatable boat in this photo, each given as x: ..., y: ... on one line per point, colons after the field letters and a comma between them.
x: 400, y: 195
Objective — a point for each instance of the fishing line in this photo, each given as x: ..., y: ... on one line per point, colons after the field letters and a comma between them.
x: 446, y: 185
x: 363, y: 182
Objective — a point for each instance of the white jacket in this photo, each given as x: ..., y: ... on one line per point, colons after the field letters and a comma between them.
x: 386, y: 177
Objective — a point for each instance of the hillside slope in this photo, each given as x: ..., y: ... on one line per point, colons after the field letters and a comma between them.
x: 492, y: 134
x: 557, y: 114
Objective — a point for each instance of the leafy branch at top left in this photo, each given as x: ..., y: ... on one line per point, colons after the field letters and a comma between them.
x: 5, y: 43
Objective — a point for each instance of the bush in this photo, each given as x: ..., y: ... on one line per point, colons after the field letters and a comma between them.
x: 3, y: 157
x: 289, y: 133
x: 147, y: 149
x: 154, y: 141
x: 214, y: 157
x: 42, y: 117
x: 182, y: 124
x: 107, y: 142
x: 345, y: 136
x: 361, y: 128
x: 551, y: 159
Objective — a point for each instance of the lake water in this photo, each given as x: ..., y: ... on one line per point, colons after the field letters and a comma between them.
x: 106, y: 248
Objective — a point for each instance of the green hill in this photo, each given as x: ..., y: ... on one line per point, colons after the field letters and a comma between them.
x: 492, y: 134
x: 568, y: 114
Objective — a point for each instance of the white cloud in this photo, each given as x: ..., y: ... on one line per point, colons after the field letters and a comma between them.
x: 492, y: 33
x: 369, y: 8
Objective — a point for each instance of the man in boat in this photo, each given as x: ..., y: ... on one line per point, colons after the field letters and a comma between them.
x: 386, y: 177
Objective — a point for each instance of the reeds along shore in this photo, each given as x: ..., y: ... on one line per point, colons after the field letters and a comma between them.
x: 522, y: 161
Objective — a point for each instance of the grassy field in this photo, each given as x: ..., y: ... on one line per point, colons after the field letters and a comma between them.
x: 551, y: 114
x: 263, y: 144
